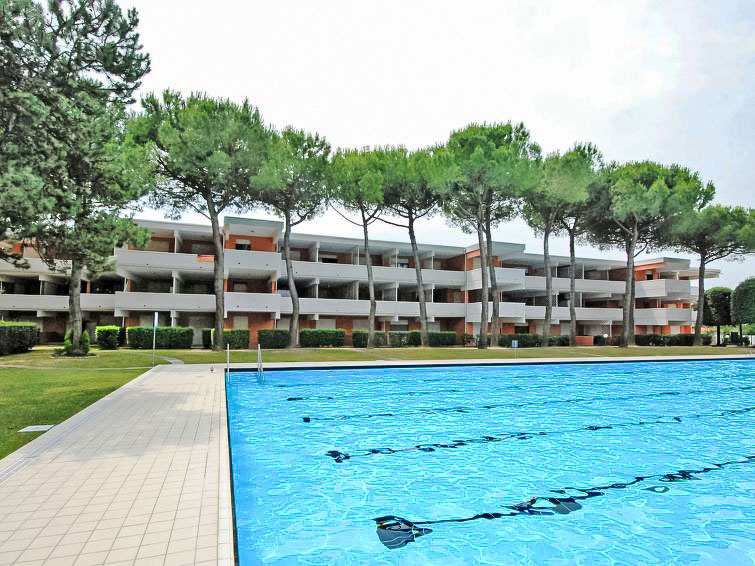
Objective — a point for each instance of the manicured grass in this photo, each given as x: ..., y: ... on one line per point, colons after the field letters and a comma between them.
x: 100, y: 359
x: 36, y: 397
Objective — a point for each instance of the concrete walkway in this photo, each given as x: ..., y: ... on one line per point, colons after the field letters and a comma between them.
x: 139, y: 477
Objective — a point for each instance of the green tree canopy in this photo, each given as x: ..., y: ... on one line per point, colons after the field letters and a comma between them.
x: 293, y: 183
x: 357, y: 186
x: 743, y: 302
x: 206, y: 153
x: 68, y: 69
x: 713, y: 233
x: 633, y: 208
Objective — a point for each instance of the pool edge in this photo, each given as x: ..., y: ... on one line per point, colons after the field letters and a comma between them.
x: 284, y: 366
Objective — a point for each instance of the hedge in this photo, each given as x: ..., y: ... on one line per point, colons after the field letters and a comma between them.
x: 140, y: 337
x: 447, y: 338
x: 359, y: 338
x: 400, y: 338
x: 207, y: 338
x: 235, y: 338
x: 525, y: 340
x: 270, y: 339
x: 317, y: 338
x: 107, y: 336
x: 17, y: 337
x: 654, y: 340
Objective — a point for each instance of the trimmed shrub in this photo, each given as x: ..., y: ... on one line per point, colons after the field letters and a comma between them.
x: 680, y: 339
x: 236, y: 338
x: 707, y: 339
x: 468, y: 339
x: 207, y: 338
x: 270, y: 339
x: 525, y: 340
x: 359, y: 338
x: 318, y: 338
x: 398, y: 338
x: 140, y: 337
x: 599, y: 340
x: 17, y: 337
x: 558, y: 340
x: 650, y: 340
x: 122, y: 336
x: 107, y: 336
x: 447, y: 338
x: 415, y: 338
x: 84, y: 343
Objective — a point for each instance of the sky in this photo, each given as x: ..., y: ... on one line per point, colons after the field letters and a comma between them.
x: 670, y: 81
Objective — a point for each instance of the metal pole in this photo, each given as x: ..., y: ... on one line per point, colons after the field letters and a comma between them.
x: 154, y: 337
x: 227, y: 359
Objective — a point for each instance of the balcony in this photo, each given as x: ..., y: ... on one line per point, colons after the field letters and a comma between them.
x: 59, y: 303
x: 252, y: 302
x: 561, y: 284
x: 507, y: 278
x: 510, y: 312
x: 664, y: 289
x: 663, y: 317
x: 164, y: 302
x: 351, y: 307
x: 239, y: 263
x: 350, y: 272
x: 583, y: 314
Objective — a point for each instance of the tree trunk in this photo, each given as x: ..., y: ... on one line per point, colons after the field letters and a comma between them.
x: 370, y: 286
x: 548, y: 287
x: 718, y: 334
x: 572, y: 292
x: 628, y: 334
x: 74, y: 305
x: 420, y: 285
x: 294, y: 328
x: 495, y: 317
x: 482, y: 338
x: 218, y: 276
x: 700, y: 300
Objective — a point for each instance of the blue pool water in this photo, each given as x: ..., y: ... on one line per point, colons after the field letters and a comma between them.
x: 621, y: 463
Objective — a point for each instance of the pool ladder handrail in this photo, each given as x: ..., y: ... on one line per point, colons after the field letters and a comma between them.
x: 260, y: 370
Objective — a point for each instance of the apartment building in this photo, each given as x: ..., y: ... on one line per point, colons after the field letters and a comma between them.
x: 173, y: 275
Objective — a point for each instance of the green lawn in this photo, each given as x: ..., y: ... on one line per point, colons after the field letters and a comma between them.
x: 43, y: 389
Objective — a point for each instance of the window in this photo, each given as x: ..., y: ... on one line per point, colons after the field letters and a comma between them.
x: 245, y: 245
x: 240, y: 322
x: 326, y: 324
x: 648, y: 276
x: 328, y: 258
x: 239, y: 287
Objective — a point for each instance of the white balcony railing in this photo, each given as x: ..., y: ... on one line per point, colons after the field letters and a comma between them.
x: 351, y: 307
x: 507, y: 278
x: 89, y: 302
x: 663, y: 288
x: 561, y: 284
x: 349, y: 272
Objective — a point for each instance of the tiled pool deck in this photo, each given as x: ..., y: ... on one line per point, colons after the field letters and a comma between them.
x: 139, y: 477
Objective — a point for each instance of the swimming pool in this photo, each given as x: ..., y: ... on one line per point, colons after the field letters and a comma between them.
x: 610, y: 463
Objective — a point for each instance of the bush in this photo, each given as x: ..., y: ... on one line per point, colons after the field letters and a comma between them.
x: 207, y: 338
x: 236, y: 338
x: 84, y: 343
x: 359, y: 339
x: 447, y: 338
x: 17, y: 337
x: 140, y: 337
x: 680, y: 339
x: 468, y: 339
x: 107, y: 336
x: 525, y: 340
x: 317, y: 338
x: 277, y: 338
x: 415, y: 338
x: 558, y: 340
x: 707, y: 339
x: 122, y: 336
x: 650, y: 340
x: 599, y: 340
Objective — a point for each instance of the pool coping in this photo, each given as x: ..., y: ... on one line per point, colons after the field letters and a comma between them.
x: 281, y: 366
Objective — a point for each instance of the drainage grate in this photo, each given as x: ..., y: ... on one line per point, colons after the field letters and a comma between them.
x: 37, y: 428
